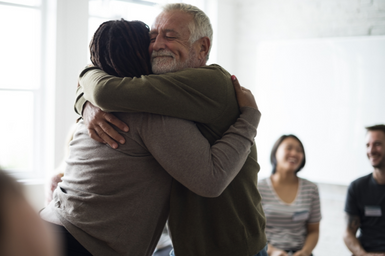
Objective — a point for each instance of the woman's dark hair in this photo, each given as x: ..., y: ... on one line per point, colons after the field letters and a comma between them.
x: 120, y: 48
x: 273, y: 158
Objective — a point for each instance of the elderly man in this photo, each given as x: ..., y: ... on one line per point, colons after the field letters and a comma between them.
x: 365, y: 203
x: 231, y: 224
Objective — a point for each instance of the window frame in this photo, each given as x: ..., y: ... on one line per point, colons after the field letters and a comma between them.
x: 37, y: 171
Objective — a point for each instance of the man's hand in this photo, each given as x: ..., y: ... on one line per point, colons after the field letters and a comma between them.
x: 99, y: 128
x: 244, y: 96
x: 278, y: 253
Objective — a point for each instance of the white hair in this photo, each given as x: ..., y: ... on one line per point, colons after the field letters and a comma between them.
x: 199, y: 27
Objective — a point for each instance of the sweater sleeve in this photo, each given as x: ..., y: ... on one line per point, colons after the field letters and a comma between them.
x: 186, y: 155
x: 197, y: 94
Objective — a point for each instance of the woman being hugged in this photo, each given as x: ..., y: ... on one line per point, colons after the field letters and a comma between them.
x: 291, y: 204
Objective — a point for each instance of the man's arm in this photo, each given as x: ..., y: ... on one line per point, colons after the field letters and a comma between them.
x: 197, y: 94
x: 186, y: 155
x: 350, y: 239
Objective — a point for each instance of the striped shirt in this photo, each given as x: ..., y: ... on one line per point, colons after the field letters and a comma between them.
x: 286, y: 223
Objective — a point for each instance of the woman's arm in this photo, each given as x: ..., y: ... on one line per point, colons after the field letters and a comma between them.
x: 180, y: 148
x: 187, y: 156
x: 311, y: 240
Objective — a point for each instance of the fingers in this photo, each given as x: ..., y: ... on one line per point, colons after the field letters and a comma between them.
x: 94, y: 135
x: 107, y: 130
x: 105, y: 137
x: 100, y: 128
x: 244, y: 96
x: 236, y: 84
x: 116, y: 121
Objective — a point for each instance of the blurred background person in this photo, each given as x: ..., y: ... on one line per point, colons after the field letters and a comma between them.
x: 365, y: 201
x: 22, y: 232
x: 291, y: 204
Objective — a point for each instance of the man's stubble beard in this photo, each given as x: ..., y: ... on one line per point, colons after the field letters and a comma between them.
x: 379, y: 165
x: 161, y: 65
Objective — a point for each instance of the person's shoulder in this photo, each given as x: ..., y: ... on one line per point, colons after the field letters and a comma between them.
x: 308, y: 183
x: 217, y: 68
x: 361, y: 180
x: 309, y: 187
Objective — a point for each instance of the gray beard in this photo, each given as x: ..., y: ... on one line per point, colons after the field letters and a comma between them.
x: 161, y: 65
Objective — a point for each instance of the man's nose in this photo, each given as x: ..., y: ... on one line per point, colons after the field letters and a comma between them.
x: 159, y: 43
x: 371, y: 149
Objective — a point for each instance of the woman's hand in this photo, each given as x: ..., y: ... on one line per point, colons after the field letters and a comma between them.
x: 278, y: 253
x: 301, y: 253
x: 244, y: 96
x: 53, y: 182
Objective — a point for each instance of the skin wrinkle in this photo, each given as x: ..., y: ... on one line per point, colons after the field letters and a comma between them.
x: 169, y: 37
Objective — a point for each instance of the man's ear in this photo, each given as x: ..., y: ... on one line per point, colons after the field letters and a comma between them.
x: 204, y: 46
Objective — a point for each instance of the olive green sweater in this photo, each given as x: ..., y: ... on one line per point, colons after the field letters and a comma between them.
x: 232, y: 224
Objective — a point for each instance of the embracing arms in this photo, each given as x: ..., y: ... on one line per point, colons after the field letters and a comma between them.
x: 199, y: 94
x: 184, y: 94
x: 180, y: 148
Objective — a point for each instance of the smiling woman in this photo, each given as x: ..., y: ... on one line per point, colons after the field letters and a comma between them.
x: 291, y: 204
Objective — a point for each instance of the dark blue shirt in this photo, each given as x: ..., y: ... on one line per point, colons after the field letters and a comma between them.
x: 366, y: 199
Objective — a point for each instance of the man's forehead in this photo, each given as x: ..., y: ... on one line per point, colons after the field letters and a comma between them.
x: 165, y: 30
x: 171, y: 21
x: 372, y: 136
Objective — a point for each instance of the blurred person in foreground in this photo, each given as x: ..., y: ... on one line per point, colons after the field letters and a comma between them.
x: 22, y: 232
x: 116, y: 202
x: 365, y: 201
x: 181, y: 37
x: 291, y: 204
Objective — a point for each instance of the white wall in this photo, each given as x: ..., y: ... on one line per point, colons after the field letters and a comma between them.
x: 71, y: 58
x: 325, y: 91
x: 260, y: 22
x: 224, y: 22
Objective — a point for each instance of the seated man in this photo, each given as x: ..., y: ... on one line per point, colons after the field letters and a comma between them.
x: 365, y: 202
